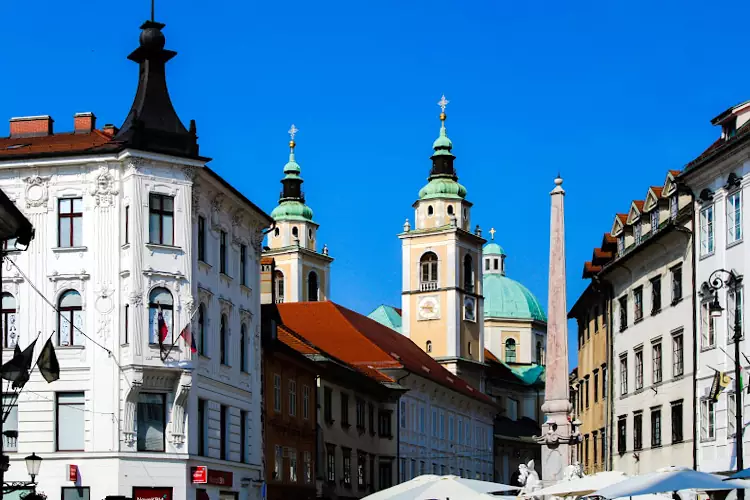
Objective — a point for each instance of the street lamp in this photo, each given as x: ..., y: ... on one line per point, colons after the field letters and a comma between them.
x: 33, y: 464
x: 721, y: 278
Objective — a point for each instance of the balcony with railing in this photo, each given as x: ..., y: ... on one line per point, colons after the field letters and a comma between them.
x: 427, y: 286
x: 279, y: 300
x: 10, y: 441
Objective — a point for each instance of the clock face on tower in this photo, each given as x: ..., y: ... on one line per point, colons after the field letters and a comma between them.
x: 428, y: 307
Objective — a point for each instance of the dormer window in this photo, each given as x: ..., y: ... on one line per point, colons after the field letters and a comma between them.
x: 673, y: 207
x: 729, y: 128
x: 654, y: 219
x: 637, y: 232
x: 620, y: 244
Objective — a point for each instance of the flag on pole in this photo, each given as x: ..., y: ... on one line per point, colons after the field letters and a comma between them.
x: 720, y: 382
x: 162, y: 326
x: 48, y: 365
x: 187, y: 335
x: 18, y: 369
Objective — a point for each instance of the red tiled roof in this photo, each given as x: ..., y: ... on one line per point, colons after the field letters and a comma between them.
x: 601, y: 254
x: 590, y: 269
x: 287, y: 337
x: 657, y: 190
x: 638, y: 204
x: 623, y: 218
x: 366, y: 344
x: 95, y: 141
x: 674, y: 173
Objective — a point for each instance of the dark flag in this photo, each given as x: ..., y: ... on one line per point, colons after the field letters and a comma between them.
x: 17, y: 369
x: 47, y: 362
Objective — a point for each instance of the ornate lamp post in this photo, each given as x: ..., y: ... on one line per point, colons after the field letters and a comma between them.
x: 721, y: 278
x: 33, y: 464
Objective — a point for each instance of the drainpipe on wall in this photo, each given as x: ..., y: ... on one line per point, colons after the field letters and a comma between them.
x: 695, y: 337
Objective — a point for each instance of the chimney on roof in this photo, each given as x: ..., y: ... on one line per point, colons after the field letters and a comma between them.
x: 109, y: 129
x: 84, y: 123
x: 31, y: 126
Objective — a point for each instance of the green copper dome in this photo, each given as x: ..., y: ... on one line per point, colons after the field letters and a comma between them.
x: 292, y: 169
x: 441, y: 187
x: 507, y: 298
x: 292, y: 210
x: 493, y: 249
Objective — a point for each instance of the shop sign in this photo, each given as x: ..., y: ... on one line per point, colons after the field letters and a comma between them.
x: 72, y: 472
x: 220, y: 477
x: 152, y: 493
x: 200, y: 474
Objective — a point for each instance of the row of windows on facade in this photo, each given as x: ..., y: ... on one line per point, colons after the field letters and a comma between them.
x: 203, y: 339
x: 678, y: 365
x: 654, y: 216
x: 313, y: 286
x: 708, y: 417
x: 365, y: 469
x: 582, y: 393
x: 733, y: 226
x: 295, y: 232
x: 428, y: 276
x: 383, y: 428
x: 289, y: 471
x: 593, y: 446
x: 150, y: 428
x: 458, y: 431
x: 656, y: 428
x: 223, y: 252
x: 584, y: 326
x: 409, y: 470
x: 449, y: 210
x: 656, y: 300
x: 734, y: 318
x: 292, y: 397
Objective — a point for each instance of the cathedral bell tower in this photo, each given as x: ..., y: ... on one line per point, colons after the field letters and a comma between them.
x: 301, y: 272
x: 442, y: 302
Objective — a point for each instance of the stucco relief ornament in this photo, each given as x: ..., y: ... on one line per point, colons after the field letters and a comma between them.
x: 136, y: 298
x: 216, y: 207
x: 195, y: 199
x: 135, y: 164
x: 256, y: 240
x: 189, y: 172
x: 236, y: 226
x: 104, y: 188
x: 37, y: 191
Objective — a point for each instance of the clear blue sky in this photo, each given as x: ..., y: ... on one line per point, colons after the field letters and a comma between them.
x: 612, y: 94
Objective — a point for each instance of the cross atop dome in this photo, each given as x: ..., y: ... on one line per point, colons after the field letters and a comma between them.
x: 492, y: 233
x: 292, y: 132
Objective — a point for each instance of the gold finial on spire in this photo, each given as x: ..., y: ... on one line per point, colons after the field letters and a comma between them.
x: 292, y: 132
x: 443, y: 102
x: 492, y: 233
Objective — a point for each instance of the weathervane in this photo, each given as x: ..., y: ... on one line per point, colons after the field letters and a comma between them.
x: 492, y: 233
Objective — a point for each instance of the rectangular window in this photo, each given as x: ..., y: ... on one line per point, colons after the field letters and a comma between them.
x: 734, y: 217
x: 76, y: 493
x: 243, y: 436
x: 161, y: 219
x: 127, y: 225
x: 293, y: 398
x: 347, y: 456
x: 434, y: 423
x: 620, y: 245
x: 637, y: 230
x: 403, y: 471
x: 126, y: 321
x: 360, y: 415
x: 331, y: 463
x: 10, y: 407
x: 202, y: 427
x: 731, y: 412
x: 655, y: 427
x: 594, y: 440
x: 586, y: 451
x: 707, y: 230
x: 402, y: 416
x: 201, y: 239
x: 677, y: 355
x: 70, y: 421
x: 676, y: 421
x: 623, y: 313
x: 361, y: 467
x: 384, y: 424
x: 708, y: 420
x: 328, y: 404
x: 639, y: 369
x: 442, y: 425
x: 413, y: 469
x: 655, y: 295
x: 223, y: 252
x: 306, y: 402
x: 596, y: 386
x: 70, y: 222
x: 656, y: 361
x: 604, y: 381
x: 586, y: 392
x: 276, y: 392
x: 421, y: 420
x: 623, y: 374
x: 676, y: 284
x: 224, y: 432
x: 344, y: 410
x: 708, y: 327
x: 278, y: 459
x: 151, y: 421
x: 654, y: 220
x: 308, y: 467
x: 673, y: 207
x: 292, y: 465
x: 371, y: 418
x: 622, y: 434
x: 638, y: 304
x: 460, y: 431
x: 451, y: 428
x: 603, y: 434
x: 243, y: 265
x: 638, y: 431
x: 734, y: 313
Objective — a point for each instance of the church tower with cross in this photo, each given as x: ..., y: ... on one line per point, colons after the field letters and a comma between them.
x: 301, y: 272
x: 442, y: 302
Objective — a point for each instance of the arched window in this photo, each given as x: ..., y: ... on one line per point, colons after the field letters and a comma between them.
x: 430, y: 210
x: 276, y: 232
x: 429, y: 271
x: 71, y: 315
x: 201, y: 330
x: 279, y: 284
x: 310, y: 233
x: 10, y: 327
x: 224, y: 341
x: 295, y: 232
x: 469, y: 274
x: 450, y: 209
x: 312, y: 287
x: 428, y: 347
x: 539, y: 353
x: 160, y: 299
x: 510, y: 351
x: 469, y: 348
x: 243, y: 349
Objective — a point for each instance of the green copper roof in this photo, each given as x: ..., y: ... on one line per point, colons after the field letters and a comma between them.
x: 493, y: 249
x: 292, y: 168
x: 292, y: 210
x: 441, y: 187
x: 506, y: 298
x: 442, y: 144
x: 387, y: 316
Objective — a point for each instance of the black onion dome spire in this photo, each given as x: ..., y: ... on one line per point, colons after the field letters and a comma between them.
x: 152, y: 123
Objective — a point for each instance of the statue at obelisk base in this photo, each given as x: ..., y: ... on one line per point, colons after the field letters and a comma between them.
x: 557, y: 431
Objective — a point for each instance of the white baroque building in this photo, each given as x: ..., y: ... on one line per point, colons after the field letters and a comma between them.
x: 130, y: 222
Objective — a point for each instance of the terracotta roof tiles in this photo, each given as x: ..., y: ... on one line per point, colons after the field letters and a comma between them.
x: 93, y: 142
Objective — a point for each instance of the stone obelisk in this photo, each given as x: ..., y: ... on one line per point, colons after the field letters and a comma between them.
x: 557, y: 430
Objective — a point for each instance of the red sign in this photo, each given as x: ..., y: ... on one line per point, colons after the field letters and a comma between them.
x: 152, y: 493
x: 72, y: 473
x: 220, y: 478
x: 200, y: 474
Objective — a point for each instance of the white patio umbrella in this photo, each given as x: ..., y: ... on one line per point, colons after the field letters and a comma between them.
x: 581, y: 486
x: 669, y: 479
x: 431, y: 487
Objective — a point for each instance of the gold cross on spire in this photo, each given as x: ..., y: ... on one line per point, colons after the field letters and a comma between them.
x: 443, y: 102
x: 492, y: 233
x: 292, y: 132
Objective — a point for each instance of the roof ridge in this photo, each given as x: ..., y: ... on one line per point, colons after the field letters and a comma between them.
x: 352, y: 327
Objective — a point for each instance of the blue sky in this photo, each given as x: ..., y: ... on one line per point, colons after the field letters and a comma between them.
x: 611, y: 94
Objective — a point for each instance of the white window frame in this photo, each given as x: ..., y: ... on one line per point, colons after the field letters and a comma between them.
x: 292, y: 398
x: 657, y: 362
x: 654, y: 219
x: 623, y: 374
x: 707, y: 231
x: 638, y: 369
x: 734, y: 217
x: 708, y: 327
x: 708, y: 420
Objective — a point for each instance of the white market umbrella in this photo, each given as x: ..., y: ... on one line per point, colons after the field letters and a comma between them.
x: 667, y: 480
x: 431, y: 487
x: 581, y: 486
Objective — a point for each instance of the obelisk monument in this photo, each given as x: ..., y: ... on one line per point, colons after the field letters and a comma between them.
x: 557, y: 431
